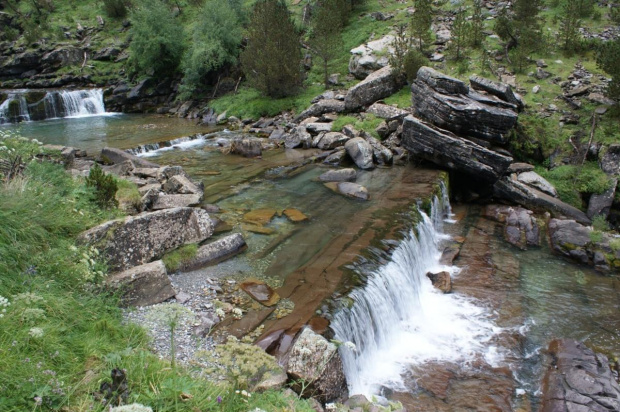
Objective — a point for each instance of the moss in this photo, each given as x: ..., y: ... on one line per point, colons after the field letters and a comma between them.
x: 179, y: 257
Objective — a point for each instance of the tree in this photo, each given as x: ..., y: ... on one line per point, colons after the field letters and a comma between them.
x: 608, y: 59
x: 521, y: 29
x: 421, y: 22
x: 460, y: 32
x: 157, y: 39
x: 405, y: 60
x: 569, y: 26
x: 327, y: 22
x: 271, y: 60
x: 215, y: 43
x: 477, y: 25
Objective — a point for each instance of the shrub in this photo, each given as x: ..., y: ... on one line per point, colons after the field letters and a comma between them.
x: 157, y: 40
x: 414, y: 59
x: 573, y: 181
x: 105, y: 187
x: 600, y: 223
x: 215, y: 43
x: 116, y: 8
x: 175, y: 259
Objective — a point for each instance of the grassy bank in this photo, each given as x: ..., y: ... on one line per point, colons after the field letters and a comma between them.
x: 60, y: 334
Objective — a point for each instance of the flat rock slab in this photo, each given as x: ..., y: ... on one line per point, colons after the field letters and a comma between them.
x: 164, y: 201
x: 261, y: 230
x: 377, y: 85
x: 294, y: 215
x: 260, y: 292
x: 217, y: 251
x: 113, y: 155
x: 349, y: 189
x: 578, y: 379
x: 259, y: 216
x: 143, y: 285
x: 136, y: 240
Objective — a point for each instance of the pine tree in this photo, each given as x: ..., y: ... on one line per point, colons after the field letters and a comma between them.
x: 271, y: 60
x: 477, y: 25
x: 569, y: 26
x: 421, y: 22
x: 460, y: 32
x: 608, y: 59
x: 521, y: 29
x: 327, y: 22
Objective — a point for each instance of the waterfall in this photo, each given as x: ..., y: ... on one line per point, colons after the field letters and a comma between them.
x: 398, y: 320
x: 54, y: 104
x: 14, y: 109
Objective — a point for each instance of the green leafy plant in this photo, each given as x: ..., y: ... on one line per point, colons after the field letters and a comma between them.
x: 105, y: 187
x: 116, y: 8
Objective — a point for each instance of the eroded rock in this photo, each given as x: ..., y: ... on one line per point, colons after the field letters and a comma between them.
x: 217, y: 251
x: 378, y: 85
x: 143, y: 285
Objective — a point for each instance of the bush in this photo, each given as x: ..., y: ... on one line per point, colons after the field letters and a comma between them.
x: 215, y: 43
x: 175, y: 259
x: 414, y: 59
x: 105, y: 187
x: 157, y: 40
x: 600, y: 223
x: 116, y: 8
x: 572, y: 181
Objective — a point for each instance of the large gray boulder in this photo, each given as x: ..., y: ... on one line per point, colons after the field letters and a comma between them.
x: 381, y: 154
x: 143, y: 285
x: 137, y: 240
x: 610, y: 160
x: 216, y: 252
x: 247, y: 147
x: 370, y: 57
x: 113, y: 155
x: 181, y: 185
x: 299, y: 137
x: 340, y: 175
x: 387, y: 112
x: 320, y: 108
x: 578, y: 379
x: 600, y: 205
x: 448, y: 150
x: 330, y: 140
x: 521, y: 228
x: 536, y: 181
x: 378, y: 85
x: 534, y: 199
x: 448, y: 103
x: 164, y: 201
x: 316, y: 361
x: 361, y: 152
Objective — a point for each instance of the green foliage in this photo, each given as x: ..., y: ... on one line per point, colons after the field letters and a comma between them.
x: 600, y: 223
x: 250, y: 103
x: 477, y: 25
x: 614, y: 14
x: 128, y: 196
x: 608, y: 59
x: 215, y: 42
x: 327, y: 21
x: 572, y: 182
x: 158, y: 42
x: 401, y: 45
x: 368, y: 123
x: 596, y: 236
x: 569, y: 26
x: 414, y: 59
x: 271, y: 60
x: 177, y: 258
x: 461, y: 32
x: 401, y: 99
x: 116, y: 9
x: 421, y: 22
x: 105, y: 187
x: 614, y: 244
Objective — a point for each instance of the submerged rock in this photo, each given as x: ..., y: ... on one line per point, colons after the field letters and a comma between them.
x: 294, y: 215
x: 143, y: 285
x: 315, y: 361
x: 341, y: 175
x: 578, y: 379
x: 349, y: 189
x: 521, y: 228
x: 260, y: 292
x: 137, y: 240
x: 260, y: 216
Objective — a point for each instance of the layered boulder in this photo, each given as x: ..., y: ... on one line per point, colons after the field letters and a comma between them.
x: 137, y: 240
x: 449, y: 103
x: 378, y: 85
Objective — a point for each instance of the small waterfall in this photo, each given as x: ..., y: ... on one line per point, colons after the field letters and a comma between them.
x: 54, y: 104
x: 14, y: 109
x: 398, y: 320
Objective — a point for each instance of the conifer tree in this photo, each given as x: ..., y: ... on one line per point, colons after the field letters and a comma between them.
x: 477, y: 25
x: 569, y: 26
x: 271, y: 60
x: 460, y: 32
x: 608, y: 59
x: 421, y: 22
x: 327, y: 22
x: 521, y: 29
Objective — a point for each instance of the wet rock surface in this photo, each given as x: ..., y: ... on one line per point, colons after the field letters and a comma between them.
x: 521, y: 228
x: 578, y: 379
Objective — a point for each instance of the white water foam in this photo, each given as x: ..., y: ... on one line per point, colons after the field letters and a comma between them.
x: 182, y: 143
x: 399, y: 319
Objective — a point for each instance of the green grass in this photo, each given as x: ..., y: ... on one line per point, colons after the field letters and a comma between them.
x: 249, y: 103
x: 177, y: 258
x: 368, y: 123
x: 572, y: 182
x: 60, y: 333
x: 401, y: 99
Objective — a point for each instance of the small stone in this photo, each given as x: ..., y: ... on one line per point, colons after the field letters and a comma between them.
x: 182, y: 297
x: 259, y: 216
x: 260, y: 292
x: 294, y: 215
x: 535, y: 89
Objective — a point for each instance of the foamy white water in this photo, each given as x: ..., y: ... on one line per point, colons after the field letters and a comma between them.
x: 399, y: 319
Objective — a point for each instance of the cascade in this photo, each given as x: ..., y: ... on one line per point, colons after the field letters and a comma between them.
x: 398, y: 320
x: 57, y: 103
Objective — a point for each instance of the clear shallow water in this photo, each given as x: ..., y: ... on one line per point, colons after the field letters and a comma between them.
x: 92, y: 133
